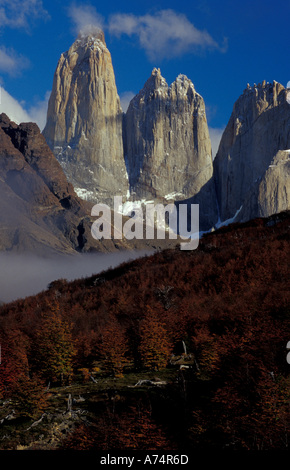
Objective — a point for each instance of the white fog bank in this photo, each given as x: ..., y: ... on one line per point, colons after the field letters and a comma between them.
x: 25, y: 275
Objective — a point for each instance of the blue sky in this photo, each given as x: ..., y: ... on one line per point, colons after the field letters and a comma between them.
x: 220, y: 45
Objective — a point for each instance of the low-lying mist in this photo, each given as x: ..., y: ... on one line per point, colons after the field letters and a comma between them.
x: 22, y: 275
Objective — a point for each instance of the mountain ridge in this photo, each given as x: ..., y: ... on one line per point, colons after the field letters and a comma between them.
x: 158, y: 151
x: 166, y: 150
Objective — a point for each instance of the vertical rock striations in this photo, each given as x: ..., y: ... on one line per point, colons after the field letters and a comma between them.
x: 160, y: 149
x: 84, y: 120
x: 252, y: 166
x: 167, y: 145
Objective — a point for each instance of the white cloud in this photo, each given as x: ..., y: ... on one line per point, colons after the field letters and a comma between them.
x: 125, y: 99
x: 85, y: 18
x: 162, y: 35
x: 18, y: 14
x: 11, y: 62
x: 165, y: 34
x: 12, y: 108
x: 17, y: 112
x: 215, y: 134
x: 21, y: 13
x: 38, y: 112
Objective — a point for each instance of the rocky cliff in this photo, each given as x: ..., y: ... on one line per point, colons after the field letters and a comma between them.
x: 160, y: 149
x: 167, y: 145
x: 84, y: 120
x: 252, y: 166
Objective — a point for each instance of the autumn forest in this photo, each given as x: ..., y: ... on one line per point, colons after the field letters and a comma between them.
x: 178, y: 350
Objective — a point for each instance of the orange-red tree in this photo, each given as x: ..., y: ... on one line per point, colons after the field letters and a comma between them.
x: 14, y: 360
x: 54, y: 348
x: 29, y: 397
x: 154, y: 347
x: 113, y: 348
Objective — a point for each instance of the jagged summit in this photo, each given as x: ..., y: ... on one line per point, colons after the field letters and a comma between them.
x: 183, y: 81
x: 89, y: 45
x: 267, y: 93
x: 156, y: 82
x: 91, y: 33
x: 274, y: 87
x: 156, y: 74
x: 92, y: 39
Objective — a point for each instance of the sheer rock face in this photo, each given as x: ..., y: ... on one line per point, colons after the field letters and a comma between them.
x: 160, y: 149
x: 84, y: 120
x: 167, y: 145
x: 252, y: 165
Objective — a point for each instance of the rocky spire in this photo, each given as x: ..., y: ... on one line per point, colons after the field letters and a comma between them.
x: 252, y: 165
x: 167, y: 144
x: 84, y: 119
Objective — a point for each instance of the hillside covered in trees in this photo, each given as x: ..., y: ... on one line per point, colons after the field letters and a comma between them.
x: 178, y: 350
